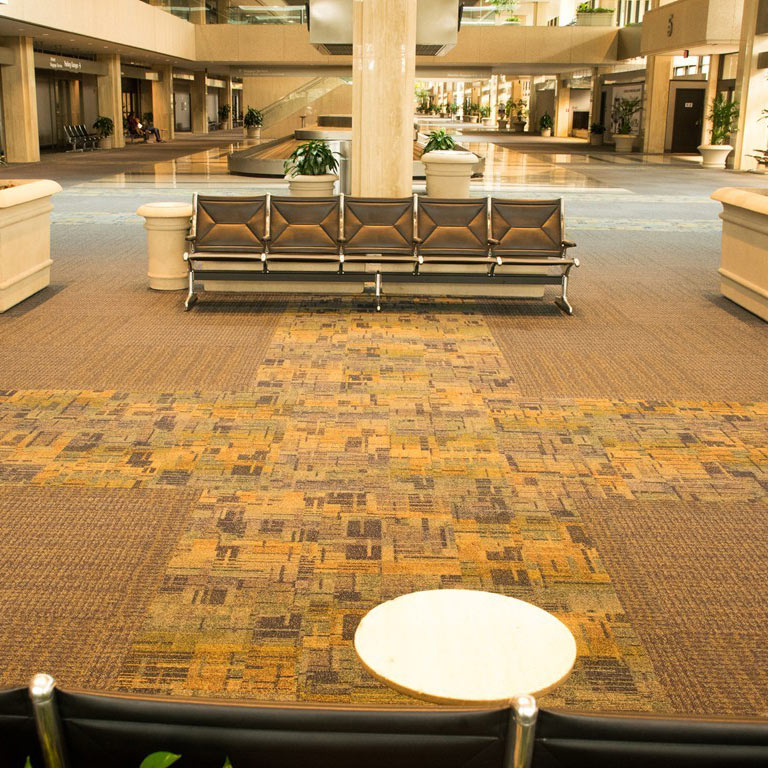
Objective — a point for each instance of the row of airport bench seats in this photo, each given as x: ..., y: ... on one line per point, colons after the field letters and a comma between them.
x: 413, y: 240
x: 67, y: 729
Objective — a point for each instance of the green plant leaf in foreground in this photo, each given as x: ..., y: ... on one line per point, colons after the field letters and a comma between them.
x: 159, y: 760
x: 227, y: 764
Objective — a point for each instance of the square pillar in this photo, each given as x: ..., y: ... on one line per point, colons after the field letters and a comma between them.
x: 20, y: 102
x: 226, y: 98
x: 658, y: 73
x: 562, y: 107
x: 597, y: 92
x: 162, y: 102
x: 383, y: 74
x: 109, y: 95
x: 709, y: 96
x: 199, y: 104
x: 751, y: 90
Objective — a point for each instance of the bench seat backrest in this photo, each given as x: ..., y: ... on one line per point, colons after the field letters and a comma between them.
x: 230, y: 224
x: 304, y: 225
x: 527, y: 227
x: 453, y: 227
x: 378, y: 225
x: 18, y: 735
x: 121, y: 731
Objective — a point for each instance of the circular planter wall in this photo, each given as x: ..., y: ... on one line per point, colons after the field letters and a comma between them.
x: 448, y: 172
x: 312, y: 186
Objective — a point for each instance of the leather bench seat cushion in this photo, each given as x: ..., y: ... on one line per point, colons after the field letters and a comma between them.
x: 304, y: 225
x: 230, y: 224
x: 527, y: 227
x: 453, y: 227
x: 378, y: 225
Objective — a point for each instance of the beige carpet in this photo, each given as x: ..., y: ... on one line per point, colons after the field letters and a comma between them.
x: 79, y: 567
x: 691, y: 576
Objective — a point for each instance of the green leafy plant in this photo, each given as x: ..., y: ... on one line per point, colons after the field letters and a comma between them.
x: 474, y: 109
x: 224, y: 111
x: 597, y: 128
x: 253, y: 118
x: 622, y: 113
x: 453, y: 108
x: 485, y: 111
x: 516, y: 108
x: 159, y: 760
x: 545, y: 122
x: 507, y: 6
x: 723, y: 115
x: 589, y: 8
x: 439, y: 140
x: 315, y: 158
x: 105, y: 126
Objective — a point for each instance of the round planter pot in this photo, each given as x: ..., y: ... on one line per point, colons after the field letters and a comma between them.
x: 474, y: 118
x: 519, y: 126
x: 714, y: 155
x: 312, y: 186
x: 448, y: 172
x: 623, y: 142
x: 596, y: 139
x: 167, y: 226
x: 253, y: 133
x: 546, y: 131
x: 105, y: 143
x: 502, y: 125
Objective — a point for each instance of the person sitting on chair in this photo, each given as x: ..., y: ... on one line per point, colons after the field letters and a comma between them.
x: 134, y: 126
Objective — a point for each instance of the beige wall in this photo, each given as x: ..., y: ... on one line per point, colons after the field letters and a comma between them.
x: 125, y: 22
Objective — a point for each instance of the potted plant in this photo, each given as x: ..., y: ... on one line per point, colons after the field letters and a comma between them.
x: 622, y: 113
x: 520, y: 113
x: 485, y: 114
x: 224, y: 112
x: 596, y: 131
x: 105, y: 127
x: 448, y: 169
x: 311, y: 169
x: 25, y: 238
x: 453, y: 108
x: 253, y: 121
x: 589, y: 16
x: 545, y: 124
x: 474, y: 113
x: 502, y: 119
x: 723, y: 115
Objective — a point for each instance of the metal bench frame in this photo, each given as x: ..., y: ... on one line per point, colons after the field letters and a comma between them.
x: 416, y: 276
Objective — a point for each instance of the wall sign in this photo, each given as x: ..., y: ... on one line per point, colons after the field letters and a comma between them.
x: 670, y: 24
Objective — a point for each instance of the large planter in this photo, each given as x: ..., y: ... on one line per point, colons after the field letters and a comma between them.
x: 596, y: 139
x: 167, y: 225
x: 448, y: 172
x: 546, y: 131
x: 312, y: 186
x: 518, y: 126
x: 105, y: 142
x: 253, y: 133
x: 623, y: 142
x: 474, y: 118
x: 714, y: 155
x: 502, y: 124
x: 744, y: 255
x: 25, y: 239
x: 594, y: 19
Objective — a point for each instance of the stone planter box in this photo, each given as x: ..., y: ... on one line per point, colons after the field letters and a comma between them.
x: 312, y: 186
x: 714, y: 155
x: 623, y: 142
x: 448, y: 172
x: 25, y: 239
x: 253, y: 133
x: 744, y: 251
x: 594, y: 19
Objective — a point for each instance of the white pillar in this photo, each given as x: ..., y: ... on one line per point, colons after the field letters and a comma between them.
x: 109, y: 94
x: 383, y: 67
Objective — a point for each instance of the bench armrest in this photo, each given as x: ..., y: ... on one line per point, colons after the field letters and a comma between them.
x: 493, y: 241
x: 417, y: 239
x: 190, y: 238
x: 569, y: 244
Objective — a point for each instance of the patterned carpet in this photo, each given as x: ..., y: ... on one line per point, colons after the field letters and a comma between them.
x: 206, y: 503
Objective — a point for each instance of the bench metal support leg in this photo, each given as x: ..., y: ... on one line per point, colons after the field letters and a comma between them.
x: 378, y: 291
x: 42, y: 692
x: 191, y: 296
x: 522, y: 732
x: 562, y: 300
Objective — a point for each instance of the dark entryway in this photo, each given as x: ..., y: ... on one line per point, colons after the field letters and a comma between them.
x: 689, y: 113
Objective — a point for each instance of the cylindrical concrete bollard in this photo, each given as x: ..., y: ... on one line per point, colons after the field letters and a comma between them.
x: 167, y: 225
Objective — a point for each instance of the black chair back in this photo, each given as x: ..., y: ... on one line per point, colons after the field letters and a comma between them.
x: 566, y: 740
x: 18, y: 736
x: 304, y: 225
x: 453, y: 227
x: 120, y: 732
x: 378, y: 225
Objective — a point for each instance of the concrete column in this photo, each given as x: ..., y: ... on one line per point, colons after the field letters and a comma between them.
x: 658, y: 73
x: 226, y: 98
x: 109, y: 95
x: 383, y: 69
x: 199, y: 104
x: 20, y: 102
x: 709, y: 96
x: 162, y: 102
x: 594, y: 108
x: 751, y: 90
x: 562, y: 104
x: 533, y: 120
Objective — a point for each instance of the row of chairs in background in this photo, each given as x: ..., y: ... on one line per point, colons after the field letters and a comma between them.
x: 79, y: 139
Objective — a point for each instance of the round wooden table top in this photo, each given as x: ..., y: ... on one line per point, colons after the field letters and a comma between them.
x: 457, y: 646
